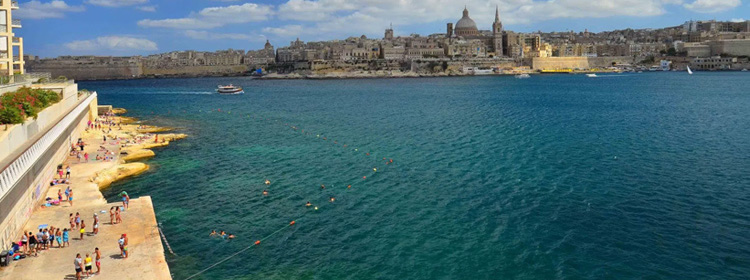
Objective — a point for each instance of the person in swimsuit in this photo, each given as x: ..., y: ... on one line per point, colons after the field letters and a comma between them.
x: 72, y: 221
x: 67, y: 172
x: 70, y: 197
x: 308, y: 204
x: 213, y: 233
x: 65, y: 237
x: 59, y: 195
x: 121, y: 242
x: 265, y: 192
x: 125, y: 245
x: 58, y: 237
x: 96, y: 223
x: 32, y: 243
x: 83, y: 229
x: 112, y: 215
x: 118, y: 218
x: 98, y: 256
x: 78, y: 219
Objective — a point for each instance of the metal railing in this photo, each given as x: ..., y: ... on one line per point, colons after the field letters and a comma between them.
x: 16, y: 22
x: 16, y: 169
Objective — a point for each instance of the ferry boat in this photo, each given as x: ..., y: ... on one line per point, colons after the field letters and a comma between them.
x: 229, y: 90
x: 523, y: 76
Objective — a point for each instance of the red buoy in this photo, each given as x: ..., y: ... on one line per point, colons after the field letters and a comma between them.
x: 291, y: 223
x: 257, y: 242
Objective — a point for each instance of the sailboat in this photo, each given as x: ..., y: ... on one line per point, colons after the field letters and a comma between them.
x: 689, y: 71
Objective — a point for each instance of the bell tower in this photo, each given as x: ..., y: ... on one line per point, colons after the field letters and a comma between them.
x: 497, y: 34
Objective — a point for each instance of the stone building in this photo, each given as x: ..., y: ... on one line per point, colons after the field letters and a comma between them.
x: 466, y: 31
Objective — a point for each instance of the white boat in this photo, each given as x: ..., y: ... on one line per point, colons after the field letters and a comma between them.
x: 523, y: 76
x: 744, y: 70
x: 689, y: 71
x: 229, y: 90
x: 592, y: 75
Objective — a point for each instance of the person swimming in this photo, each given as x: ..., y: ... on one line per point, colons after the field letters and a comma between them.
x: 308, y: 204
x: 322, y: 187
x: 213, y: 233
x: 268, y: 182
x: 265, y: 192
x: 333, y: 199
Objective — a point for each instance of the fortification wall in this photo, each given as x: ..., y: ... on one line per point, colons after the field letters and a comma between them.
x: 553, y: 63
x: 87, y: 71
x: 202, y: 70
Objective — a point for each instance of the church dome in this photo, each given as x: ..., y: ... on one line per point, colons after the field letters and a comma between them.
x: 466, y: 25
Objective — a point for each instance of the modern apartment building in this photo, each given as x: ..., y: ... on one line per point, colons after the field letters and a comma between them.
x: 11, y: 47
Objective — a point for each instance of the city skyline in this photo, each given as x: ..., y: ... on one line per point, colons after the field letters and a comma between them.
x: 142, y: 27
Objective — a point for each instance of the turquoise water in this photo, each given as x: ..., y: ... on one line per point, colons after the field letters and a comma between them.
x: 553, y: 177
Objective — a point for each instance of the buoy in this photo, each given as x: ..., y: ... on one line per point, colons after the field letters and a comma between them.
x: 291, y: 223
x: 257, y: 242
x: 349, y: 186
x: 391, y: 160
x: 356, y: 149
x: 316, y: 207
x: 374, y: 170
x: 364, y: 177
x: 367, y: 154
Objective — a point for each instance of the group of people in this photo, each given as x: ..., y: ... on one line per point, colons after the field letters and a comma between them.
x: 43, y: 240
x: 81, y: 264
x: 223, y: 234
x: 77, y: 223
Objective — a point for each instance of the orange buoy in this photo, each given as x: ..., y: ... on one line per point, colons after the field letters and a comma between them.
x: 367, y: 154
x: 257, y: 242
x: 349, y: 186
x: 291, y: 223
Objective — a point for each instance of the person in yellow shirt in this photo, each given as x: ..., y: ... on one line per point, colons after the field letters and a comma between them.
x: 88, y: 263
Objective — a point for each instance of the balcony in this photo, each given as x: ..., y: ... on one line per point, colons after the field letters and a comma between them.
x: 16, y: 40
x: 14, y: 5
x: 16, y: 23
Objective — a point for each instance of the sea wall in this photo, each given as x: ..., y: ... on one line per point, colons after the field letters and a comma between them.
x: 577, y: 62
x: 194, y: 71
x: 87, y: 71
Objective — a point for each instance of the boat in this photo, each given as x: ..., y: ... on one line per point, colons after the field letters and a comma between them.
x: 523, y: 76
x: 592, y: 75
x: 744, y: 70
x: 689, y: 71
x: 229, y: 90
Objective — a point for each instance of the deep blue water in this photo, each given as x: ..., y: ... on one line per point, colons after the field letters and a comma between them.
x: 642, y: 176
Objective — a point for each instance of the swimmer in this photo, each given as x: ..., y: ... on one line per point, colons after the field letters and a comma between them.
x: 268, y: 182
x: 333, y: 199
x: 231, y: 236
x: 349, y: 186
x: 265, y: 192
x: 213, y: 233
x: 308, y: 204
x: 322, y: 187
x: 223, y: 234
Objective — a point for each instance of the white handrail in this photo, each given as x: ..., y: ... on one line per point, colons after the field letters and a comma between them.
x: 10, y: 176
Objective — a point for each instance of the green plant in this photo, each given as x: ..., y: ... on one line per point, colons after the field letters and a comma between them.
x: 25, y: 102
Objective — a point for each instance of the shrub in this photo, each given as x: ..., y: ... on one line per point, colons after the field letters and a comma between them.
x: 25, y: 102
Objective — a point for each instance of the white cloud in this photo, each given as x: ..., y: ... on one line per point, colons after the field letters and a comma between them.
x: 37, y: 10
x: 112, y: 43
x: 149, y: 9
x: 115, y: 3
x: 205, y: 35
x: 712, y: 6
x: 337, y: 18
x: 284, y: 31
x: 738, y: 20
x: 214, y: 17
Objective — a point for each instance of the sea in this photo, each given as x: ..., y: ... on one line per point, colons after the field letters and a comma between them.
x: 622, y: 176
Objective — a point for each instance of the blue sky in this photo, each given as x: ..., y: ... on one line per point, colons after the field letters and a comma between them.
x: 129, y: 27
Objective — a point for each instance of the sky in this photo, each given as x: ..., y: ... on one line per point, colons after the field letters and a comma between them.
x: 141, y: 27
